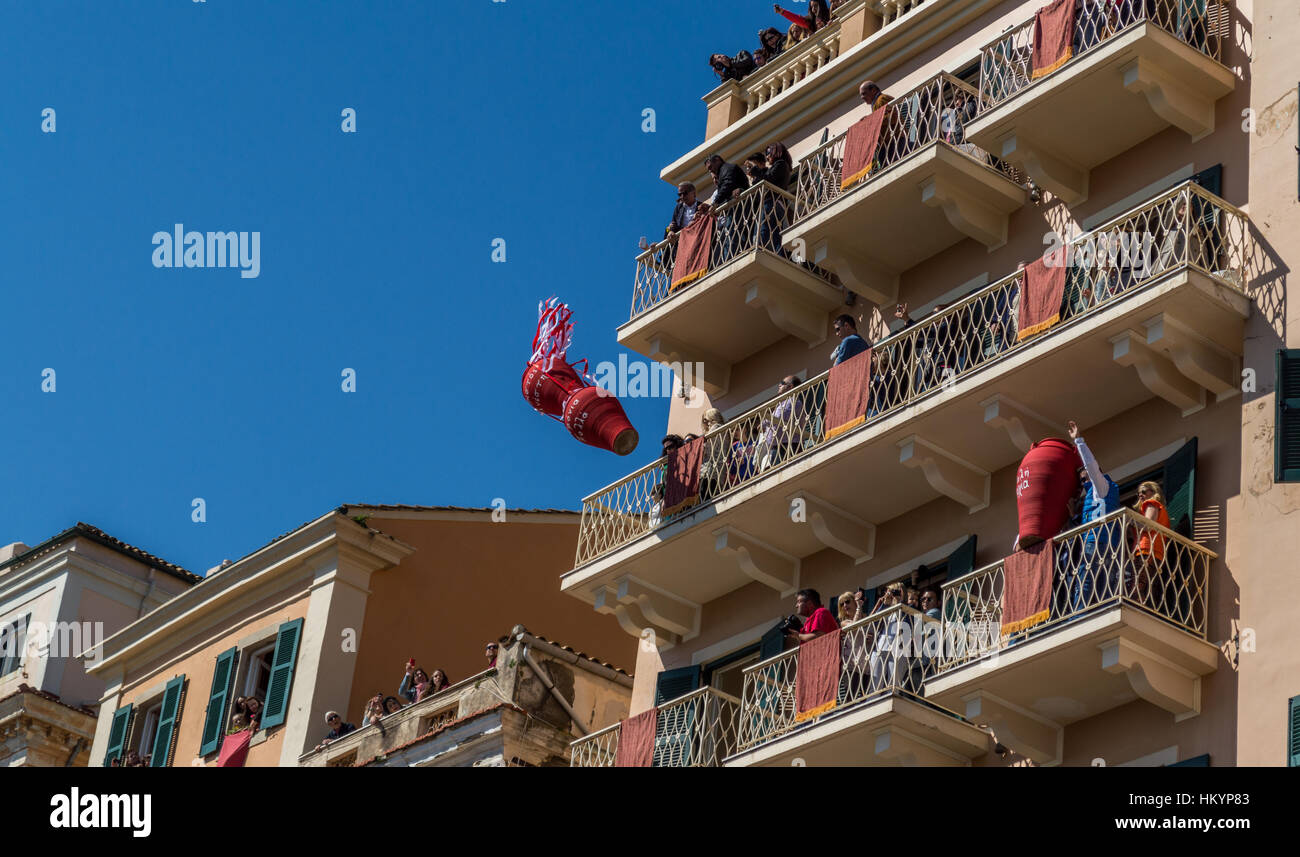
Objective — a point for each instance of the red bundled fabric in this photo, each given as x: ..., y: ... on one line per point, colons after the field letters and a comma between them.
x: 817, y: 679
x: 1027, y: 587
x: 636, y: 740
x: 694, y: 243
x: 597, y: 419
x: 848, y: 394
x: 1045, y: 482
x: 860, y: 148
x: 1053, y: 37
x: 682, y: 482
x: 234, y: 749
x: 1042, y: 288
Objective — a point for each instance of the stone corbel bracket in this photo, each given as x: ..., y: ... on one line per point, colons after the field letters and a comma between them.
x: 953, y: 477
x: 758, y: 560
x: 836, y: 528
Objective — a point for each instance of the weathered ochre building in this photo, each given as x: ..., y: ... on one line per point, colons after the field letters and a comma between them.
x: 1158, y: 149
x: 327, y: 615
x: 58, y: 600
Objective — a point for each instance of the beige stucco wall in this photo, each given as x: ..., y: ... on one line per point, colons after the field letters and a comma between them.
x: 1264, y: 516
x: 194, y: 656
x: 469, y: 582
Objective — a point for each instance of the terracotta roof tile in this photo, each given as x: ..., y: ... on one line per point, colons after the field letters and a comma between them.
x: 95, y: 534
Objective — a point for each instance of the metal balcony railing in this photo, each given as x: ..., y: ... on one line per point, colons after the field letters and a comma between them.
x: 1122, y: 558
x: 697, y: 730
x: 880, y: 655
x: 752, y: 221
x: 1183, y: 228
x: 934, y: 112
x: 1006, y: 62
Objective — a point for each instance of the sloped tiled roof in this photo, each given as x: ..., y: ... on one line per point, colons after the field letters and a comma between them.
x: 95, y: 534
x: 582, y: 655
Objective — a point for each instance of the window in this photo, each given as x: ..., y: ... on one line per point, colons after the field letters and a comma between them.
x: 727, y: 673
x: 257, y: 671
x: 13, y: 639
x: 147, y: 731
x: 1286, y: 433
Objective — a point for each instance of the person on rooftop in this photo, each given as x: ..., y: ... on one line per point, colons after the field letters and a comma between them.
x: 337, y: 727
x: 819, y: 15
x: 771, y: 44
x: 490, y: 652
x: 411, y: 681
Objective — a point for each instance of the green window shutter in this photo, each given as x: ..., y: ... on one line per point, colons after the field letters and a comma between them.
x: 1286, y: 432
x: 282, y: 662
x: 1293, y: 733
x: 117, y: 734
x: 1180, y: 488
x: 223, y: 677
x: 168, y: 719
x: 13, y: 639
x: 674, y: 683
x: 962, y: 560
x: 771, y: 644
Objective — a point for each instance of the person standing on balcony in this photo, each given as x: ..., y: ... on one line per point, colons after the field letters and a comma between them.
x: 729, y: 183
x: 817, y: 620
x: 1144, y: 578
x: 1099, y: 496
x: 775, y: 167
x: 687, y: 206
x: 851, y: 345
x: 872, y: 95
x: 783, y: 429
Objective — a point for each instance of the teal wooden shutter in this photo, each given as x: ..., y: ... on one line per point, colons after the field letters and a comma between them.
x: 1286, y: 432
x: 223, y: 677
x: 13, y: 639
x: 117, y: 734
x: 674, y: 683
x: 771, y: 644
x: 962, y: 560
x: 675, y: 727
x: 168, y: 719
x: 282, y: 662
x: 1293, y: 736
x: 1180, y: 488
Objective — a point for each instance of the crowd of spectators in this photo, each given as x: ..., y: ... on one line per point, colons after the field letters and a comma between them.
x: 417, y: 685
x: 771, y: 42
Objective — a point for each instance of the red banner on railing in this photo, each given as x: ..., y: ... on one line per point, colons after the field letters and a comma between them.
x: 1053, y: 37
x: 682, y: 482
x: 694, y: 244
x: 636, y: 740
x: 817, y: 678
x: 1042, y: 288
x: 1027, y: 587
x: 848, y: 394
x: 860, y: 147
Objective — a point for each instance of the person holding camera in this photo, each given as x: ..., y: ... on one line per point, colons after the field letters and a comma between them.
x: 817, y: 619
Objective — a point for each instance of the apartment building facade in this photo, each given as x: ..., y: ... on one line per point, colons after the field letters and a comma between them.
x: 329, y: 614
x: 1155, y: 151
x: 58, y: 600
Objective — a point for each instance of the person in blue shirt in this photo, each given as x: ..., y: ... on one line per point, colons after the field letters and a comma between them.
x: 851, y: 345
x: 1096, y: 576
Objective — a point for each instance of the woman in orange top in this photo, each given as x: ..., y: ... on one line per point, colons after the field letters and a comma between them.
x: 1150, y: 549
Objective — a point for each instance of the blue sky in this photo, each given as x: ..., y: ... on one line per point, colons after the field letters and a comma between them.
x: 475, y: 120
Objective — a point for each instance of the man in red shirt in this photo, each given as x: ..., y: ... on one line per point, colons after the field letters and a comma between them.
x: 817, y: 619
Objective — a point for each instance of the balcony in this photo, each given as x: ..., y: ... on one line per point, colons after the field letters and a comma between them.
x: 851, y: 23
x: 1125, y: 623
x: 955, y: 398
x: 748, y: 280
x: 1139, y: 66
x: 928, y: 189
x: 697, y: 730
x: 881, y: 716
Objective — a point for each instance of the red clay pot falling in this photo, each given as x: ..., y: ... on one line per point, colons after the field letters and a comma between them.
x: 1045, y: 481
x: 548, y: 391
x: 597, y: 419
